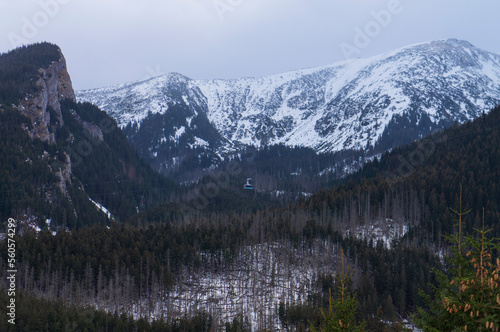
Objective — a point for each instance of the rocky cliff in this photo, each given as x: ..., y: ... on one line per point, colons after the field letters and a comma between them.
x: 53, y: 85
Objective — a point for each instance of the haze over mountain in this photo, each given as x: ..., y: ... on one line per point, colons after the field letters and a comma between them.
x: 371, y: 104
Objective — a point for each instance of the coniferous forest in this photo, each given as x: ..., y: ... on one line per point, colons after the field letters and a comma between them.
x: 408, y: 240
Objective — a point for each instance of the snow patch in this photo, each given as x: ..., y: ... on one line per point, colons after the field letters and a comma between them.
x: 180, y: 131
x: 382, y: 230
x: 199, y: 142
x: 102, y: 208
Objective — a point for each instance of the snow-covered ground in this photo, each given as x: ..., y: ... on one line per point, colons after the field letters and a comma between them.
x: 262, y: 276
x: 257, y: 280
x: 380, y: 230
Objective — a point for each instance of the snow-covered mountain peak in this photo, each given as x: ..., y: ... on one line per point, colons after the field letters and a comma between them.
x: 375, y: 103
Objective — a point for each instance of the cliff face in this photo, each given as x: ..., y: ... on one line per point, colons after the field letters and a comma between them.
x: 54, y: 85
x: 43, y: 108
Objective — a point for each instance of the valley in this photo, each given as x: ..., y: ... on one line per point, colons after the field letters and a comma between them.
x: 130, y: 204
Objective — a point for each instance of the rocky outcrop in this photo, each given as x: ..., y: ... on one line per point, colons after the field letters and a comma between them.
x: 64, y: 174
x: 94, y: 130
x: 54, y: 85
x: 43, y: 109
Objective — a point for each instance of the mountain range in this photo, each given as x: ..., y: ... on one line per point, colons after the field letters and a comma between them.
x: 371, y: 105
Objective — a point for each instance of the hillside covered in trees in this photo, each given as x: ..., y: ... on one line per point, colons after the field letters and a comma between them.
x: 88, y: 159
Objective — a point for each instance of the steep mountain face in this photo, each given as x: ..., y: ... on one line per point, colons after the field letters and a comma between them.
x: 165, y: 119
x: 372, y: 104
x: 63, y: 162
x: 53, y: 85
x: 35, y: 80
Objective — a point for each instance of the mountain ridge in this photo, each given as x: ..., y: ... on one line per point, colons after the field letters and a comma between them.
x: 371, y: 104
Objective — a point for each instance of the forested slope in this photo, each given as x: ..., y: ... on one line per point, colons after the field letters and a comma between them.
x: 58, y: 155
x: 420, y: 182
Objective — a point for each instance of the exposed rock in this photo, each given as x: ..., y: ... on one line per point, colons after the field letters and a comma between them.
x: 94, y: 130
x: 64, y: 175
x: 54, y: 85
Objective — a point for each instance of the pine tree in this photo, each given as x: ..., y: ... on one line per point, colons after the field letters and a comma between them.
x: 468, y: 296
x: 341, y: 311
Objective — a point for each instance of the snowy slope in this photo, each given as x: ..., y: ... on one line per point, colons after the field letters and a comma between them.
x: 346, y: 105
x: 131, y: 102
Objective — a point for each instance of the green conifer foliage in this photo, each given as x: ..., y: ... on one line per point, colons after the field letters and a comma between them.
x: 341, y: 314
x: 468, y: 295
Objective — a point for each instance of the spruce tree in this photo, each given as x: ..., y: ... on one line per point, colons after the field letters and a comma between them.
x: 341, y: 314
x: 468, y: 295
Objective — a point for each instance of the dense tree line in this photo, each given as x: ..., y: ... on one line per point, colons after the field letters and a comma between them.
x: 38, y: 314
x: 402, y: 130
x: 288, y: 173
x: 422, y: 180
x: 19, y: 70
x: 88, y: 265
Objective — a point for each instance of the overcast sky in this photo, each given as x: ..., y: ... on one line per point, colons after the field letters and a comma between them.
x: 116, y: 41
